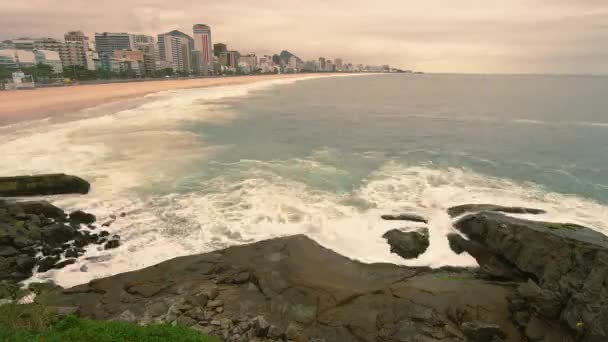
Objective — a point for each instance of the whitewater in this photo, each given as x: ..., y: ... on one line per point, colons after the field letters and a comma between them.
x: 182, y: 191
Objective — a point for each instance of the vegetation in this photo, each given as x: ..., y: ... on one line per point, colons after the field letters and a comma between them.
x: 36, y: 322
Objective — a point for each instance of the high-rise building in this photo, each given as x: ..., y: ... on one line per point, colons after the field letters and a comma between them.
x: 219, y: 48
x: 147, y: 45
x: 75, y: 50
x: 322, y: 65
x: 203, y: 44
x: 176, y: 51
x: 249, y: 62
x: 339, y: 64
x: 107, y: 42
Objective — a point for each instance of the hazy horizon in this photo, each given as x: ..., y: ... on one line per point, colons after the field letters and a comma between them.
x: 473, y: 36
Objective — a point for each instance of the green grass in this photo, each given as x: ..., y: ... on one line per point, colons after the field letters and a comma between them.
x: 24, y: 323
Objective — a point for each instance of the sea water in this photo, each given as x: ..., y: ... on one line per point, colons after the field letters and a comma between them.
x: 202, y: 169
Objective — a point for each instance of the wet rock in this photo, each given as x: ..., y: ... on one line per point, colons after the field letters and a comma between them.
x: 567, y: 263
x: 405, y: 217
x: 80, y: 217
x: 473, y: 208
x: 59, y: 233
x: 40, y: 185
x: 64, y: 263
x: 71, y: 253
x: 408, y: 245
x: 482, y: 332
x: 215, y: 303
x: 42, y: 208
x: 47, y: 263
x: 25, y: 263
x: 111, y: 244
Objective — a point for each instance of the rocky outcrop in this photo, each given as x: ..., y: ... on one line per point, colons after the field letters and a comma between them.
x: 567, y: 268
x: 294, y: 289
x: 38, y: 234
x: 405, y: 217
x: 41, y: 185
x: 473, y: 208
x: 408, y: 244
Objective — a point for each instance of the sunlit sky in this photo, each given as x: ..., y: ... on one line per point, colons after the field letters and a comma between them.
x: 469, y: 36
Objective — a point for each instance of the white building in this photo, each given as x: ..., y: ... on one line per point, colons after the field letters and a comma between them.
x: 50, y: 58
x: 249, y: 63
x: 176, y: 51
x: 13, y: 58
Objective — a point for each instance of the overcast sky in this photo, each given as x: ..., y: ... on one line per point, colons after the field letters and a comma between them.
x: 482, y: 36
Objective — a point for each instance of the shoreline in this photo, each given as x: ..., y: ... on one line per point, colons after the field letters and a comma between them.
x: 24, y: 105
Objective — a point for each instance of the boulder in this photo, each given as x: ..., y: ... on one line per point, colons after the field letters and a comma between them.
x: 569, y: 263
x: 80, y: 217
x: 473, y: 208
x: 42, y: 185
x: 41, y: 208
x: 408, y: 245
x: 405, y: 217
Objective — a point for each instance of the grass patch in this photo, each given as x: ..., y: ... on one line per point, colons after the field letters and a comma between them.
x: 34, y: 322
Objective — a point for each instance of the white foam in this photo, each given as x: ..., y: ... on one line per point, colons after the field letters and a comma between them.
x: 131, y: 154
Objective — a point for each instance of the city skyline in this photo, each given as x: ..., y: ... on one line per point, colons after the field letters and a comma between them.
x: 533, y: 36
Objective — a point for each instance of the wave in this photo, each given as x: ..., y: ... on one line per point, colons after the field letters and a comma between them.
x: 256, y: 200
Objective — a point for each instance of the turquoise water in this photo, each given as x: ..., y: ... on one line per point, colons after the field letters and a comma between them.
x: 201, y: 169
x: 549, y: 130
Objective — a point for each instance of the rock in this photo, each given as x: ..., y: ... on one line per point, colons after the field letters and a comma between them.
x: 7, y: 251
x: 84, y: 268
x: 80, y: 217
x: 491, y: 266
x: 569, y: 264
x: 215, y: 303
x: 260, y: 326
x: 309, y: 291
x: 64, y: 263
x: 41, y: 185
x: 482, y: 332
x: 108, y: 223
x: 59, y: 233
x: 47, y: 263
x: 473, y: 208
x: 71, y: 253
x: 186, y: 321
x: 408, y: 245
x: 25, y: 263
x: 64, y: 310
x: 42, y: 208
x: 405, y: 217
x: 111, y: 244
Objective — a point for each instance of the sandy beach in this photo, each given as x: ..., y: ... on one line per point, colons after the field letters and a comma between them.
x: 38, y: 103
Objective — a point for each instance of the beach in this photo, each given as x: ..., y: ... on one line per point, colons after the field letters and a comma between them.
x: 38, y: 103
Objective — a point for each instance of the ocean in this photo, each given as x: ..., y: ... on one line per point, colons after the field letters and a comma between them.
x: 202, y: 169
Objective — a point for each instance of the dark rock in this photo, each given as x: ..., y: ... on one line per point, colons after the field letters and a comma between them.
x: 25, y: 263
x: 568, y: 262
x: 482, y: 332
x: 491, y: 265
x: 47, y: 263
x: 405, y: 217
x: 71, y: 253
x: 59, y: 233
x: 108, y: 223
x: 304, y: 290
x: 42, y: 208
x: 111, y: 244
x: 474, y: 208
x: 40, y: 185
x: 104, y: 233
x: 64, y: 263
x: 260, y: 326
x: 7, y: 251
x: 408, y: 245
x: 80, y: 217
x: 123, y: 214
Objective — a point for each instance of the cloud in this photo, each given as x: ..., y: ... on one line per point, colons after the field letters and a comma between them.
x: 538, y: 36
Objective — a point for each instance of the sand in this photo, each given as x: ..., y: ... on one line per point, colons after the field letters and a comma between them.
x: 39, y: 103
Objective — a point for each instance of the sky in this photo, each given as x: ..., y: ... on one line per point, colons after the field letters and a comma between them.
x: 459, y: 36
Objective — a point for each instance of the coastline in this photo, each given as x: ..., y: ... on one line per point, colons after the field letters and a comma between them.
x: 16, y: 106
